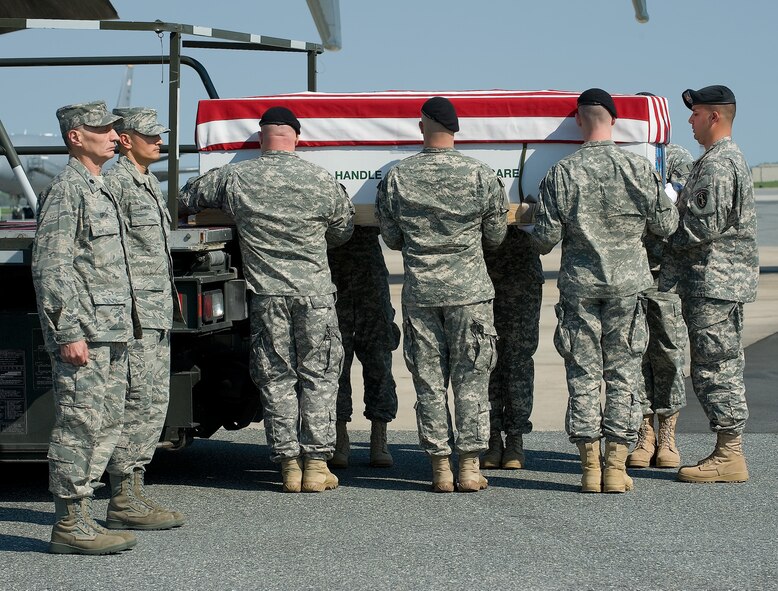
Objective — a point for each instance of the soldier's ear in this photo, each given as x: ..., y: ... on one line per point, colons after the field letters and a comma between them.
x: 73, y: 137
x: 125, y: 140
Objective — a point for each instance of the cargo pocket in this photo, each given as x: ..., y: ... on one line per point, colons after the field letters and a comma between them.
x: 327, y: 356
x: 333, y: 357
x: 564, y: 335
x: 409, y: 344
x: 141, y: 215
x: 263, y: 356
x: 145, y: 222
x: 104, y: 235
x: 484, y: 346
x: 715, y: 335
x: 638, y: 331
x: 483, y: 426
x: 138, y: 371
x: 110, y: 311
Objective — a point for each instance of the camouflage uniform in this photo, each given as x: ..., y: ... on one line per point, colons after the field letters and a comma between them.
x: 81, y: 276
x: 366, y: 322
x: 714, y: 263
x: 287, y: 211
x: 598, y: 202
x: 147, y: 237
x: 517, y: 275
x: 437, y: 207
x: 663, y: 389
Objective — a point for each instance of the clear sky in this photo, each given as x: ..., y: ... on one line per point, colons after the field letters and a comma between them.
x: 434, y: 45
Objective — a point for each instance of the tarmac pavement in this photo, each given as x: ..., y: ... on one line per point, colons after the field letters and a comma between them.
x: 383, y: 529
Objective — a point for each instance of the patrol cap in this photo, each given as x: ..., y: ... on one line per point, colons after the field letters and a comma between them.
x: 139, y: 119
x: 440, y: 109
x: 710, y: 95
x: 280, y: 116
x: 94, y: 114
x: 597, y: 96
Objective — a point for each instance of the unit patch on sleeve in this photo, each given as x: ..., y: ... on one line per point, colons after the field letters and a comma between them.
x: 701, y: 198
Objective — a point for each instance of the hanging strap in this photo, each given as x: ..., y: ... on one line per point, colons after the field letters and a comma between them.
x: 521, y: 171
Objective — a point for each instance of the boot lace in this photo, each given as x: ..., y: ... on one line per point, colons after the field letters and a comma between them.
x: 666, y: 435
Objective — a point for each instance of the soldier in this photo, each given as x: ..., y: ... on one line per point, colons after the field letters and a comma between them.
x: 598, y: 201
x: 287, y: 211
x: 81, y: 274
x: 663, y: 387
x: 143, y: 206
x: 517, y: 275
x: 438, y: 206
x: 366, y: 321
x: 715, y: 266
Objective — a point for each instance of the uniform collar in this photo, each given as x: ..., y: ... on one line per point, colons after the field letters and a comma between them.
x: 137, y: 175
x: 94, y: 183
x: 592, y: 144
x: 279, y: 153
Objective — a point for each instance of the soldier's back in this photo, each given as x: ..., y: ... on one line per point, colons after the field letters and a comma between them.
x: 442, y: 200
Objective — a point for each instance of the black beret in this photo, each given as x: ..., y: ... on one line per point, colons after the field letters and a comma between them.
x: 280, y: 116
x: 597, y: 96
x: 440, y: 109
x: 710, y: 95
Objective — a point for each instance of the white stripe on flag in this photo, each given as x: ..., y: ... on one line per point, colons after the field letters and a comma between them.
x: 392, y: 129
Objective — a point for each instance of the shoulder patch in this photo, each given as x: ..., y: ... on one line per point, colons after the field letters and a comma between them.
x: 701, y: 198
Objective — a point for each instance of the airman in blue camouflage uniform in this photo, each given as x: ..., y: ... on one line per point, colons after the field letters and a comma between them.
x: 714, y: 264
x: 598, y: 202
x: 287, y: 211
x: 663, y: 386
x: 144, y: 209
x: 366, y: 321
x: 80, y: 270
x: 440, y: 208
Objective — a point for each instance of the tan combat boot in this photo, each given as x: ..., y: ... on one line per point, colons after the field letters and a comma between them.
x: 513, y: 456
x: 442, y: 476
x: 379, y: 451
x: 470, y: 478
x: 292, y: 474
x: 128, y: 511
x: 342, y: 446
x: 317, y: 476
x: 591, y: 466
x: 76, y: 532
x: 667, y: 454
x: 138, y: 487
x: 726, y: 464
x: 492, y: 459
x: 614, y: 476
x: 645, y: 448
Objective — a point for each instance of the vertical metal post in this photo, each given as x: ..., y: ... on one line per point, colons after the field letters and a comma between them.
x: 312, y: 71
x: 174, y: 74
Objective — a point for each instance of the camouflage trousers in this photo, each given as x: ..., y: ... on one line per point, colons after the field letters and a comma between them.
x: 296, y: 358
x: 147, y: 400
x: 717, y: 361
x: 511, y: 386
x: 88, y: 414
x: 602, y: 340
x: 663, y: 389
x: 366, y: 322
x: 451, y: 345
